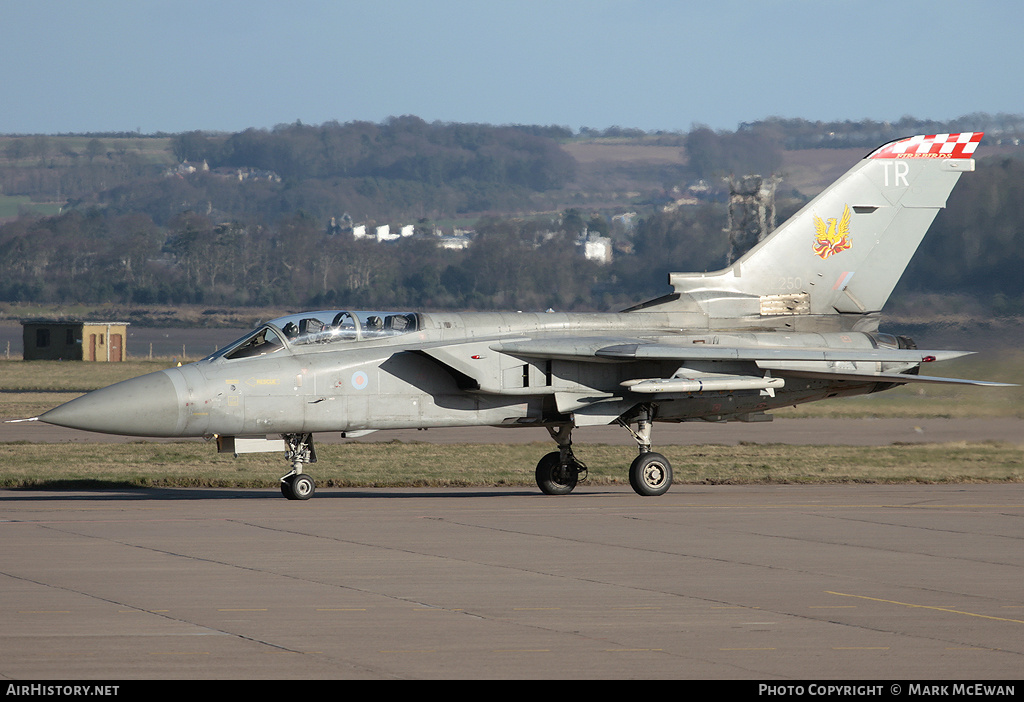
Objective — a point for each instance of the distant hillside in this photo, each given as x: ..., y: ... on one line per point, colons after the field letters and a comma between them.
x: 405, y: 168
x: 273, y: 217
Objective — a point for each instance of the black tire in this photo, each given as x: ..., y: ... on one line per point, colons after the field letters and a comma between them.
x: 552, y: 479
x: 298, y: 487
x: 650, y: 474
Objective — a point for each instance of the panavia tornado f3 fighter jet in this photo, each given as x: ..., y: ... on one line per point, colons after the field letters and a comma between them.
x: 794, y: 320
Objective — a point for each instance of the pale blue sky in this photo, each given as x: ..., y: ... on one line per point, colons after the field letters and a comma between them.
x: 226, y: 65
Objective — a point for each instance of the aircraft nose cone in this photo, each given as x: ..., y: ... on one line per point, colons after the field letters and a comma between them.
x: 143, y: 406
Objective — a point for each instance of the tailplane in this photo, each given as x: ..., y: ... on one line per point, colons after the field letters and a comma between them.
x: 844, y: 251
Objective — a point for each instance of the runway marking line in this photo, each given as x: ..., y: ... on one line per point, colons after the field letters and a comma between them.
x: 341, y: 609
x: 254, y: 609
x: 938, y: 609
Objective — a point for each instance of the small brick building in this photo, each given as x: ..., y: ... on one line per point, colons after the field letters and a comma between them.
x: 45, y: 340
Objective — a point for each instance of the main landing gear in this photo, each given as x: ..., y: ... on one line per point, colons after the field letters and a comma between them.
x: 559, y: 471
x: 299, y: 451
x: 650, y: 473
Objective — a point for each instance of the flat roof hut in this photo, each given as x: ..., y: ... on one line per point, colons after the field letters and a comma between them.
x: 46, y: 340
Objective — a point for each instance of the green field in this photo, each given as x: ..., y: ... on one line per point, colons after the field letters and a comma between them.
x: 30, y: 388
x: 391, y: 464
x: 13, y: 205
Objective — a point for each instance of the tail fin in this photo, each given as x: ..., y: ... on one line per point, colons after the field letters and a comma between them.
x: 844, y: 251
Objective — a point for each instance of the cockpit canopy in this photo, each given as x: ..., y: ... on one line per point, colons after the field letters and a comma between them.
x: 315, y: 328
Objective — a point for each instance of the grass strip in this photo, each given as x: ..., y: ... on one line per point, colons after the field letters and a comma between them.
x: 398, y: 464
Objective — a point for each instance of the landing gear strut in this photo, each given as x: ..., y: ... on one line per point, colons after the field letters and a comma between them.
x: 650, y: 473
x: 299, y: 451
x: 559, y: 471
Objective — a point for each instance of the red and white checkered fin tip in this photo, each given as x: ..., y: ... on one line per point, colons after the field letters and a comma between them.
x: 960, y: 145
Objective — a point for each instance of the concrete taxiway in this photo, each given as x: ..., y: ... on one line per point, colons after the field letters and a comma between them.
x: 906, y: 582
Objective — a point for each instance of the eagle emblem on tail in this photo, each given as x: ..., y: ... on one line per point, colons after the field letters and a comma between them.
x: 830, y: 236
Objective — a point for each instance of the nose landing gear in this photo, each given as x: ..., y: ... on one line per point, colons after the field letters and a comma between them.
x: 296, y: 485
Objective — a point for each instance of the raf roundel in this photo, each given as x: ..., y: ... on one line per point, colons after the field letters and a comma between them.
x: 360, y: 380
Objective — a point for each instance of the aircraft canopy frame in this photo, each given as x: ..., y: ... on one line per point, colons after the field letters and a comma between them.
x: 325, y: 327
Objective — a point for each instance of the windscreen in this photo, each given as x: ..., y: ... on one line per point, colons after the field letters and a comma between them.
x: 261, y: 342
x: 324, y: 327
